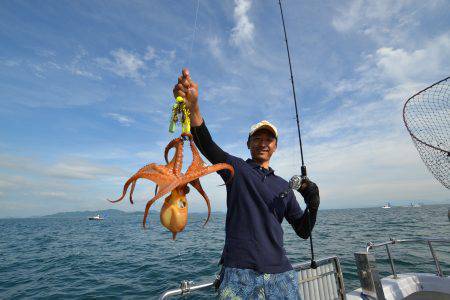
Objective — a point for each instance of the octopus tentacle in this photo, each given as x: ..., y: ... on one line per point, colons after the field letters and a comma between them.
x: 198, y: 186
x: 170, y: 145
x: 133, y: 185
x: 197, y: 173
x: 156, y: 173
x: 197, y: 161
x: 176, y: 163
x: 145, y: 168
x: 125, y: 188
x: 188, y: 135
x: 199, y: 164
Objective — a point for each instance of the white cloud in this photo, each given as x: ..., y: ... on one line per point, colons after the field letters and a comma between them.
x: 69, y: 168
x: 215, y: 47
x: 122, y: 119
x: 242, y: 32
x: 10, y: 62
x: 45, y: 52
x: 80, y: 64
x: 77, y: 169
x: 50, y: 187
x: 348, y: 16
x: 372, y: 16
x: 83, y: 73
x: 384, y: 21
x: 138, y: 67
x: 12, y: 162
x: 150, y: 54
x: 149, y: 155
x: 123, y: 64
x: 127, y: 63
x: 55, y: 194
x: 164, y: 60
x: 395, y: 73
x: 402, y: 66
x: 216, y: 94
x: 9, y: 182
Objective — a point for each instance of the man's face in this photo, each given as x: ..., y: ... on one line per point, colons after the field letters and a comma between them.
x: 262, y: 145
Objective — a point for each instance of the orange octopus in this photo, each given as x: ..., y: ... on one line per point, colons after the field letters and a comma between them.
x: 169, y: 178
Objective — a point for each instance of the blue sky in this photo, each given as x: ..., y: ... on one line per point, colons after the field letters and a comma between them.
x: 85, y: 94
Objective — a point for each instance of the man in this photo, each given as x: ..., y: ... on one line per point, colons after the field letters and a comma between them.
x: 254, y: 260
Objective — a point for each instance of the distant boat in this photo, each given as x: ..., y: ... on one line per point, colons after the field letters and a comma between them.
x: 415, y: 205
x: 388, y: 205
x: 96, y: 218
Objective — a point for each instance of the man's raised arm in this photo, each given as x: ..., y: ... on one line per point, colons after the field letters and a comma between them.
x: 188, y: 89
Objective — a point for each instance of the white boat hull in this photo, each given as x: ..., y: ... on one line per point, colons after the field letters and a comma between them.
x: 411, y: 286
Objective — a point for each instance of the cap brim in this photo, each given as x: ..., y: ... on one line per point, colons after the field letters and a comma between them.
x: 267, y: 127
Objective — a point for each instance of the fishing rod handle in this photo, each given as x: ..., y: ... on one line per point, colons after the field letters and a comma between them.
x: 303, y: 169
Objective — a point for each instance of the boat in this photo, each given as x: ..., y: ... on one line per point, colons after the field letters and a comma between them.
x: 388, y: 205
x: 96, y: 218
x: 326, y: 281
x: 415, y: 205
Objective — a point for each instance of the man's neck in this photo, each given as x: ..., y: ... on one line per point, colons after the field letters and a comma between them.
x: 264, y: 164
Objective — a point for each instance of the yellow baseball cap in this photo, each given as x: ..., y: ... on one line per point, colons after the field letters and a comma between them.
x: 264, y: 125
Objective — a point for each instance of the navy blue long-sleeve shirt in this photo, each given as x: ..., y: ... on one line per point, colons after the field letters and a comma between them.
x: 255, y: 211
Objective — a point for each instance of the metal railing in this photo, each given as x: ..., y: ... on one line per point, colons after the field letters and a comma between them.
x: 392, y: 241
x: 187, y: 287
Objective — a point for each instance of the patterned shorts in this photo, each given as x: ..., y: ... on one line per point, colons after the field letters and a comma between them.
x: 249, y: 284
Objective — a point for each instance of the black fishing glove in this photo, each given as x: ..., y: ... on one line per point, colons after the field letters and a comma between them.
x: 304, y: 225
x: 310, y: 193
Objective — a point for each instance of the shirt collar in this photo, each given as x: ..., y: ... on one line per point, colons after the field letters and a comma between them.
x: 254, y: 165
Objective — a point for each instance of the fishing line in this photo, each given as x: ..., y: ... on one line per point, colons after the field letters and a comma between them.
x: 303, y: 167
x: 193, y: 34
x: 180, y: 113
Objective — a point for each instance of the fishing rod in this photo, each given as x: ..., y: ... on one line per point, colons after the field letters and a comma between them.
x: 303, y: 167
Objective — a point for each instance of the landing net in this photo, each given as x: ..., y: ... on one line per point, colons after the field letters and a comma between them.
x: 427, y: 118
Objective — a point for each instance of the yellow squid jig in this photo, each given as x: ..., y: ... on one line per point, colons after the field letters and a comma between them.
x: 180, y: 114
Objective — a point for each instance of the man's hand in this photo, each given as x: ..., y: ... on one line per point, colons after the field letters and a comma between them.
x: 310, y: 193
x: 188, y: 89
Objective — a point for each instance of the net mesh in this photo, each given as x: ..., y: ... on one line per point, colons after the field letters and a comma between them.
x: 427, y: 118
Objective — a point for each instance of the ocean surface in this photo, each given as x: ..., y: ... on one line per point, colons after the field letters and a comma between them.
x: 71, y: 257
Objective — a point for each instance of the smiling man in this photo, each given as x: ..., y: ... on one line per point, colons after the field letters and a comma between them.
x: 254, y: 261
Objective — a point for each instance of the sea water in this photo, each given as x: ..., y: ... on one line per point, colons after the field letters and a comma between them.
x: 54, y: 258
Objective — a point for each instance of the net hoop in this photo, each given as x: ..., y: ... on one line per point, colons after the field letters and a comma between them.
x: 426, y: 115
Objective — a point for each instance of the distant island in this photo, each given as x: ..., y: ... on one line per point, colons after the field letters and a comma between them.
x: 108, y: 213
x: 88, y: 213
x: 112, y: 213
